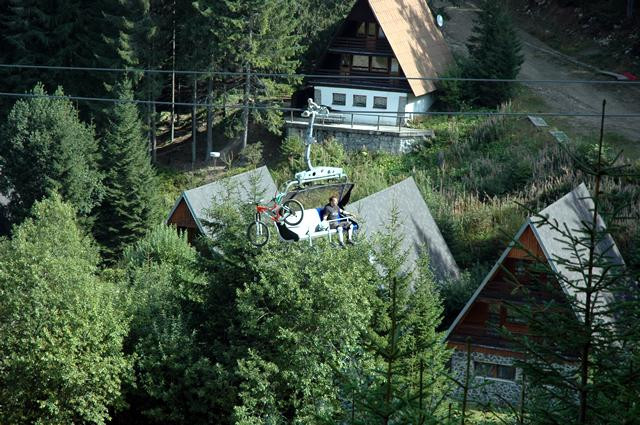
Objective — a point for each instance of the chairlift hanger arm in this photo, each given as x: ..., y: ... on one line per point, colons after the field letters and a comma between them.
x: 315, y: 173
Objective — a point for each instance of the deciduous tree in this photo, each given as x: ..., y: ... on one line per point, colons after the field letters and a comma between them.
x: 61, y: 358
x: 44, y: 147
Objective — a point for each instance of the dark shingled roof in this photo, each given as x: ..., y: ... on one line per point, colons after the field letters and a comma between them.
x: 570, y: 212
x: 416, y: 225
x: 247, y: 187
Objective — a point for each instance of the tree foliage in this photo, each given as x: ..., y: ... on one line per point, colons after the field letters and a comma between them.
x: 303, y: 320
x: 61, y: 357
x: 44, y: 147
x: 71, y: 33
x: 494, y: 50
x: 130, y: 203
x: 582, y: 353
x: 175, y: 382
x: 402, y: 378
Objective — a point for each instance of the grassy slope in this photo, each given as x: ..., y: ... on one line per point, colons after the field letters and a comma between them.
x: 477, y: 175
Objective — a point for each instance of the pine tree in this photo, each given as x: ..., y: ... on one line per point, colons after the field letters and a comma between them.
x: 317, y: 20
x: 581, y: 355
x: 401, y: 379
x: 68, y: 33
x: 44, y: 147
x: 61, y: 358
x: 494, y: 50
x: 252, y: 36
x: 128, y: 209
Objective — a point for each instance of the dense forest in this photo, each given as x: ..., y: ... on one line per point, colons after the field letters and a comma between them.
x: 107, y: 315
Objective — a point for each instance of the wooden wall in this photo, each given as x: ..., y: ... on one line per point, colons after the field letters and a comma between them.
x: 182, y: 217
x: 494, y: 308
x: 530, y: 243
x: 184, y: 221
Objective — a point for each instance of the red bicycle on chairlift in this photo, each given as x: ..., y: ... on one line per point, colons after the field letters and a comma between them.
x: 289, y: 211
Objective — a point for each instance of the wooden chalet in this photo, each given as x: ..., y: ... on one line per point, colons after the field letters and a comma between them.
x: 491, y: 309
x: 382, y: 38
x: 189, y: 212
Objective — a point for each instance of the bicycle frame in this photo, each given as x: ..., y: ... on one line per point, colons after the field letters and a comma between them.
x: 273, y: 211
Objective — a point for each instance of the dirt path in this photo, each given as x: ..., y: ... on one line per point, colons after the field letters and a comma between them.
x: 575, y: 98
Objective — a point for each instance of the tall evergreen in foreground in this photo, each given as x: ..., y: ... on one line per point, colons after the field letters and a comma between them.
x: 494, y: 50
x: 582, y: 357
x: 400, y: 379
x: 44, y: 147
x: 130, y: 200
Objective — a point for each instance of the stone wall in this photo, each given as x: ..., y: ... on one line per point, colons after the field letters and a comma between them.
x: 485, y: 390
x: 401, y: 141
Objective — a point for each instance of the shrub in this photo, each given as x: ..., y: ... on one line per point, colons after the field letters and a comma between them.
x: 252, y: 154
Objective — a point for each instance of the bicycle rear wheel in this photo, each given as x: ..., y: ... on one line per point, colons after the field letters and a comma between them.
x: 292, y: 212
x: 258, y: 233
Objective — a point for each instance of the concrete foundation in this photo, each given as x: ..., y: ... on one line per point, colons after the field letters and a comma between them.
x: 390, y: 139
x: 486, y: 390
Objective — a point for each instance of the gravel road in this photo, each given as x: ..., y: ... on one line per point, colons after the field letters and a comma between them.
x: 543, y: 63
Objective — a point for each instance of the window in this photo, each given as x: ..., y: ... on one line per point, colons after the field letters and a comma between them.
x: 381, y: 33
x: 362, y: 29
x: 494, y: 371
x: 360, y: 62
x: 379, y: 102
x: 359, y: 100
x: 345, y: 61
x: 339, y: 99
x: 379, y: 63
x: 395, y: 68
x: 371, y: 29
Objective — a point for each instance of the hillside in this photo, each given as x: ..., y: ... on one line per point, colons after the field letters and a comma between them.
x: 542, y: 62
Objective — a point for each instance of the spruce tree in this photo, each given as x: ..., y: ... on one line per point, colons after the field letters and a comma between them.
x: 44, y: 147
x: 494, y: 50
x: 68, y: 33
x: 400, y: 378
x: 581, y: 354
x: 252, y: 36
x: 129, y: 206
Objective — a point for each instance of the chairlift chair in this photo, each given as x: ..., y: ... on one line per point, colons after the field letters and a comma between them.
x: 312, y: 188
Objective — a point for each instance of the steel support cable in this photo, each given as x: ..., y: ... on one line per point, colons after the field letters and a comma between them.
x: 320, y: 76
x: 286, y: 109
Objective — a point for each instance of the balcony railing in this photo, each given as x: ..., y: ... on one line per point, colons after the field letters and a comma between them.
x: 360, y: 79
x: 378, y: 46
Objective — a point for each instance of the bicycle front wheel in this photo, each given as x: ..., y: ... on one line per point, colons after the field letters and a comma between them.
x: 292, y: 212
x: 258, y: 233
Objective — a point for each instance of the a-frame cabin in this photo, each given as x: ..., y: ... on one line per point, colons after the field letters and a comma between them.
x: 382, y: 38
x: 492, y: 309
x: 189, y: 213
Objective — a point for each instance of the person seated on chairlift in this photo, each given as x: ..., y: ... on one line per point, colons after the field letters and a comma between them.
x: 332, y: 213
